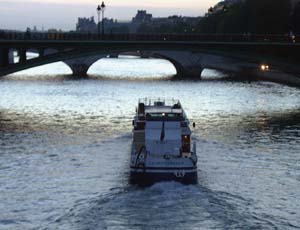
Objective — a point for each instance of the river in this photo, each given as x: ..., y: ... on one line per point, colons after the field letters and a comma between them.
x: 65, y: 145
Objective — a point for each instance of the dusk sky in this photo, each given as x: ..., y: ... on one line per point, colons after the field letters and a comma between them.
x: 18, y: 14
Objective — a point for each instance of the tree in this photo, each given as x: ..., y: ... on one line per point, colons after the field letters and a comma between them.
x: 255, y: 16
x: 268, y: 16
x: 296, y: 19
x: 234, y: 19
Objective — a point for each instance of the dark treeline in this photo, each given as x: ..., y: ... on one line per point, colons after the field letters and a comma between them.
x: 246, y: 17
x: 295, y: 21
x: 253, y: 16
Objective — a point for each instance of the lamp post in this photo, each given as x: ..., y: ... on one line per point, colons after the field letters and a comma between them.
x: 102, y: 9
x: 98, y: 24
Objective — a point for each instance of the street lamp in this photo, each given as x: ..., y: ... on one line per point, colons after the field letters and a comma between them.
x: 102, y: 9
x: 98, y: 25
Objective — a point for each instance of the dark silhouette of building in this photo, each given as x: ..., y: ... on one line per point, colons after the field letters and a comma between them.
x: 142, y: 22
x: 142, y: 17
x: 86, y: 25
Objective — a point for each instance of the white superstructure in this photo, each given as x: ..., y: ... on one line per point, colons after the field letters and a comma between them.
x: 162, y: 148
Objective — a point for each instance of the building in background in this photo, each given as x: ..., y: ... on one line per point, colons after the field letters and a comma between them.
x: 142, y: 22
x: 142, y: 17
x: 86, y: 25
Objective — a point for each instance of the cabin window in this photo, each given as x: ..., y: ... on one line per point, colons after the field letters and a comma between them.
x: 164, y: 116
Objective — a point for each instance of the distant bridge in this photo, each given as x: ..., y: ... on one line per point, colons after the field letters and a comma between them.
x: 190, y: 53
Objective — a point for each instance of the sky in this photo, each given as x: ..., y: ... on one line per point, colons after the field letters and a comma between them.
x: 63, y: 14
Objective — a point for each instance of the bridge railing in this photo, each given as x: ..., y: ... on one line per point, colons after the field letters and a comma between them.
x: 72, y: 36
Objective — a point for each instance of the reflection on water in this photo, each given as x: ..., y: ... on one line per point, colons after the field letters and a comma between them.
x: 64, y: 148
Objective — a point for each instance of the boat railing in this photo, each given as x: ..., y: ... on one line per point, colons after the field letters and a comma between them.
x: 159, y: 101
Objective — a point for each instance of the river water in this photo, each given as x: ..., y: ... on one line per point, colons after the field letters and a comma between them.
x: 65, y: 144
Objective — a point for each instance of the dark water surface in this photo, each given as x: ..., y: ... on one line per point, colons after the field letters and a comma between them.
x: 65, y: 144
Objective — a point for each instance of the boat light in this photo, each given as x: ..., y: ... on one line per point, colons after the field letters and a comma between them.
x: 264, y: 67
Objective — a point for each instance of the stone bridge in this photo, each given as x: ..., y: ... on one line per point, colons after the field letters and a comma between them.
x: 188, y: 57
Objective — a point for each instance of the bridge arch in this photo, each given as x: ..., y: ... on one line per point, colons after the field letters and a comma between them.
x: 182, y: 71
x: 188, y: 64
x: 81, y: 66
x: 131, y: 65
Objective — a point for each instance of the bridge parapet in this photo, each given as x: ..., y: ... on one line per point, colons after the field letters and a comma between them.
x: 73, y: 36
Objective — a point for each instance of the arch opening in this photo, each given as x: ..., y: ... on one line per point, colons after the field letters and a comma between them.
x: 56, y: 68
x: 130, y: 66
x: 32, y: 53
x: 212, y: 74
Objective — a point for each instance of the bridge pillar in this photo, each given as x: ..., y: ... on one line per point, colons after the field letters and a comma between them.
x: 79, y: 70
x: 187, y: 64
x: 114, y: 56
x: 4, y: 57
x: 41, y: 52
x: 189, y: 72
x: 22, y: 55
x: 80, y: 66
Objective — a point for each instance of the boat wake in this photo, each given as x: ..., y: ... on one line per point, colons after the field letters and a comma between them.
x: 164, y: 205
